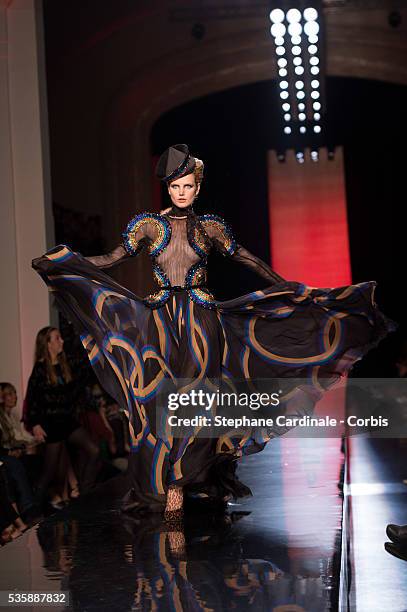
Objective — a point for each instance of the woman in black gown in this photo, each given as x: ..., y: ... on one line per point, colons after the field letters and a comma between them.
x: 140, y: 346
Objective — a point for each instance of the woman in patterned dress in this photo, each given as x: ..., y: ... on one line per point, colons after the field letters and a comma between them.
x: 180, y: 336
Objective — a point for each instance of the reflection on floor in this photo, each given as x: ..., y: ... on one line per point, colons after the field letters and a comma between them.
x: 273, y: 552
x: 378, y: 497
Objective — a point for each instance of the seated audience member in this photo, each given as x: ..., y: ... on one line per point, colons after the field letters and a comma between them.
x: 11, y: 524
x: 8, y: 403
x: 21, y: 493
x: 15, y: 436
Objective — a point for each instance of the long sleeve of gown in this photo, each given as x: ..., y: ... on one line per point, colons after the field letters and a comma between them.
x: 257, y: 265
x: 222, y: 238
x: 137, y: 234
x: 111, y: 259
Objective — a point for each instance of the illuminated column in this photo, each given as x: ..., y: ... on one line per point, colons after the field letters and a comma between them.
x: 308, y: 219
x: 25, y: 217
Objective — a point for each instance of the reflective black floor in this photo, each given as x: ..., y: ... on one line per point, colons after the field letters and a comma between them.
x: 276, y: 551
x: 378, y: 496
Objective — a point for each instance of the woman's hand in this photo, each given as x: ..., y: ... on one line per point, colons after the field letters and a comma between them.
x: 39, y: 433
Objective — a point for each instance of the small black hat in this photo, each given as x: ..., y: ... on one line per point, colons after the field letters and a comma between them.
x: 174, y: 162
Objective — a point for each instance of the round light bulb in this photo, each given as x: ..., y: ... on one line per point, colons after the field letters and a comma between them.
x: 310, y: 14
x: 295, y: 29
x: 284, y: 95
x: 300, y: 95
x: 282, y: 62
x: 277, y: 16
x: 299, y: 70
x: 312, y: 49
x: 278, y: 29
x: 286, y: 107
x: 280, y: 50
x: 317, y: 129
x: 293, y: 15
x: 311, y: 28
x: 296, y: 50
x: 287, y: 130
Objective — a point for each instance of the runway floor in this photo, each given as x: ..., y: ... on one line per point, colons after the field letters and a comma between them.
x: 278, y: 550
x: 377, y: 468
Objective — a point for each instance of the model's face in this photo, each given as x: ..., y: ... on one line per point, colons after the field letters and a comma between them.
x: 183, y: 190
x: 9, y: 398
x: 55, y: 343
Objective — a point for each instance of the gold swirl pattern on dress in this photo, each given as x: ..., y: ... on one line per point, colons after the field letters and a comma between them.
x: 59, y: 255
x: 330, y: 346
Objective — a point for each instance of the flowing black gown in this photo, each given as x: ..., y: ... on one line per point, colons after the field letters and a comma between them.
x: 140, y: 346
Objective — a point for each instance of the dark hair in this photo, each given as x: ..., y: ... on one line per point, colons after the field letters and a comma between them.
x: 42, y: 355
x: 7, y: 385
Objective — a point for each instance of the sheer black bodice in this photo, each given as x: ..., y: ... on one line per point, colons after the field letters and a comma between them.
x: 179, y: 256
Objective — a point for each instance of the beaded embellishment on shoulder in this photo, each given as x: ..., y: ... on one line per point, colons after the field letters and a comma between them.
x: 132, y: 242
x: 229, y: 243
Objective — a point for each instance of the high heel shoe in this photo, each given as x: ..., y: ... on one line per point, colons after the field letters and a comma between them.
x: 174, y: 511
x: 174, y: 515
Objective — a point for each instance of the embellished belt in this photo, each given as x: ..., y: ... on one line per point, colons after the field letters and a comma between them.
x: 182, y: 287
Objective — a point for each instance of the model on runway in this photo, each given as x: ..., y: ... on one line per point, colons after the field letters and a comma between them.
x: 181, y: 332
